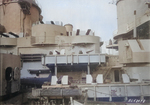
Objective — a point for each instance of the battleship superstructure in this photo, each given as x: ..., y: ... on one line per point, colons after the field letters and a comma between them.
x: 16, y: 19
x: 132, y: 38
x: 38, y: 49
x: 23, y: 33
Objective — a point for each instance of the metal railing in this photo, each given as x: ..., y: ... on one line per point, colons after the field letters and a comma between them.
x: 71, y: 59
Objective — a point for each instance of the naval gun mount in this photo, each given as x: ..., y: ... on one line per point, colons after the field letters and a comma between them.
x: 56, y: 93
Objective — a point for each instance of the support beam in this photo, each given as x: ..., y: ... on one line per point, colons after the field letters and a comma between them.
x: 55, y: 70
x: 126, y: 93
x: 110, y: 97
x: 94, y: 93
x: 142, y: 96
x: 88, y: 67
x: 134, y: 30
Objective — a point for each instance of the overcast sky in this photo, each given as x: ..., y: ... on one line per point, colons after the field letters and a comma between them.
x: 98, y: 15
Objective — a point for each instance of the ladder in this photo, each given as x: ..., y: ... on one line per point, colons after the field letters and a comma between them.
x: 106, y: 73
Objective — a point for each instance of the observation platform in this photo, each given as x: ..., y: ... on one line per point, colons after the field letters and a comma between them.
x: 74, y: 59
x: 81, y: 61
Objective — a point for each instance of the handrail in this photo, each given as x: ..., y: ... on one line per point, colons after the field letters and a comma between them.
x: 130, y: 26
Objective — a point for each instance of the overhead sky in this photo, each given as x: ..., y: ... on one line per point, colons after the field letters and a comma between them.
x: 98, y: 15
